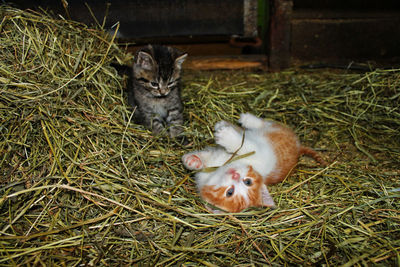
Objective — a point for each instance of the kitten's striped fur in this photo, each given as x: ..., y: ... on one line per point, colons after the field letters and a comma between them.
x: 155, y: 90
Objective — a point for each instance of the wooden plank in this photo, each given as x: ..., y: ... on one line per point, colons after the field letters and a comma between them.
x: 359, y: 5
x: 231, y: 63
x: 334, y: 40
x: 279, y: 34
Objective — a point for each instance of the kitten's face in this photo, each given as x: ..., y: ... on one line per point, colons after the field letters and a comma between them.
x: 239, y: 187
x: 157, y: 68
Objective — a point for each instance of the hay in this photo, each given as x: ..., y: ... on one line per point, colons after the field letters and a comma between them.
x: 82, y: 185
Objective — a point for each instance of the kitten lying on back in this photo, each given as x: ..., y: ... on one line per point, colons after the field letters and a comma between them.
x: 242, y: 183
x: 155, y: 91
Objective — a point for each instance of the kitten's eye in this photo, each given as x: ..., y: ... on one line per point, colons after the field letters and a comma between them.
x: 230, y: 191
x: 154, y: 84
x: 248, y: 182
x: 170, y: 84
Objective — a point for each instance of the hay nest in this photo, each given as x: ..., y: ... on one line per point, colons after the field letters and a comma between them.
x: 82, y: 185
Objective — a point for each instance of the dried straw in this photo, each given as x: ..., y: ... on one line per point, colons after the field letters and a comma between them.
x: 82, y: 185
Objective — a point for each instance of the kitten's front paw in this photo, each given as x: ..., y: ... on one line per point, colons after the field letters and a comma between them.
x: 175, y: 130
x: 192, y: 162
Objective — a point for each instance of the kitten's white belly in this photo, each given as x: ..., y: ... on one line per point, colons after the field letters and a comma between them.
x: 264, y: 160
x: 160, y: 109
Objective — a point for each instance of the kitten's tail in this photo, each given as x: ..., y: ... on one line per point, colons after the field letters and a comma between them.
x: 312, y: 153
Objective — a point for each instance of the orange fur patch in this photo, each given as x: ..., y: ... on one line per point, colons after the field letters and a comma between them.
x: 285, y: 144
x: 287, y: 150
x: 217, y: 197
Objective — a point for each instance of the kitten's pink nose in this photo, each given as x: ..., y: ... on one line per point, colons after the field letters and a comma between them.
x: 235, y: 174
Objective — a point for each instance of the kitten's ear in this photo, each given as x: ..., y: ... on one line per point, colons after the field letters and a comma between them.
x: 179, y: 60
x: 145, y: 60
x: 267, y: 200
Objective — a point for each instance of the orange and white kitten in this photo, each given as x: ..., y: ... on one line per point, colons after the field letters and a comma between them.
x: 242, y: 183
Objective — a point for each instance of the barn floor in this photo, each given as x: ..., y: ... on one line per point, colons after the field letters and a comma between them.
x: 82, y: 185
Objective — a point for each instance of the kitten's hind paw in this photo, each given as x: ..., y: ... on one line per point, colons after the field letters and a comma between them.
x: 192, y: 162
x: 221, y: 124
x: 249, y: 121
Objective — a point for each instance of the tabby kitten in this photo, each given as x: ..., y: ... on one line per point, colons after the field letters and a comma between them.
x: 155, y: 92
